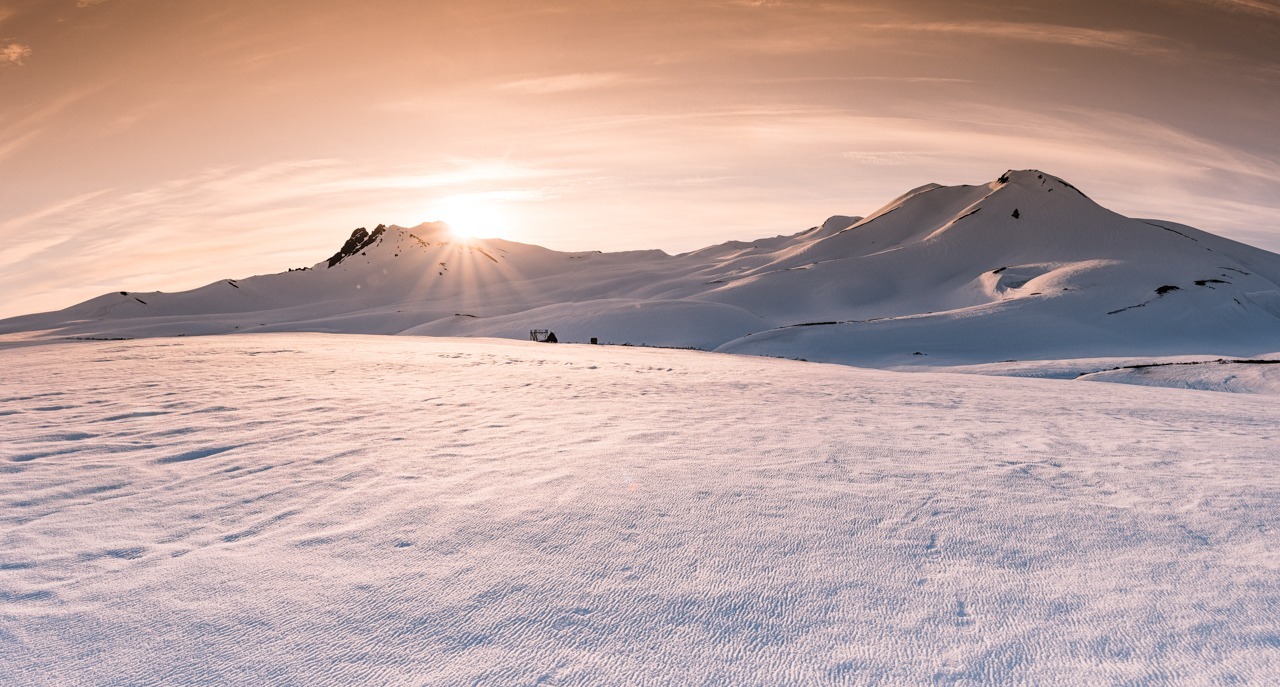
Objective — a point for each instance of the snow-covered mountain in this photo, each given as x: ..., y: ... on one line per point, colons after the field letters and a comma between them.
x: 1023, y: 267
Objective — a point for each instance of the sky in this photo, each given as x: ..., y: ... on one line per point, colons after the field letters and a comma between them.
x: 164, y: 144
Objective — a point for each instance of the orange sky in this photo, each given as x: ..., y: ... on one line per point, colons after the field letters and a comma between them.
x: 165, y: 144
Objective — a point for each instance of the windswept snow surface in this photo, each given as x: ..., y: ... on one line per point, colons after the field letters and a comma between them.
x: 319, y: 509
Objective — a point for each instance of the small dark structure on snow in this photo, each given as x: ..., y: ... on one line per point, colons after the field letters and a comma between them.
x: 543, y: 336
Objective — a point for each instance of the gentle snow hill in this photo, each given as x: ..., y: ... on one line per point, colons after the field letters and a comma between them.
x: 1249, y: 376
x: 1024, y: 267
x: 313, y: 509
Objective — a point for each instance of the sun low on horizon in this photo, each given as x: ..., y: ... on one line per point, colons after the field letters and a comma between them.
x: 470, y: 218
x: 253, y: 143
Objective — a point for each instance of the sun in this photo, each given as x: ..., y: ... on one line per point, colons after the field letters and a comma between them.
x: 471, y: 217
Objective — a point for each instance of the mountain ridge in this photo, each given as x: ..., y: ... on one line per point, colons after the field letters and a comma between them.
x: 1025, y: 265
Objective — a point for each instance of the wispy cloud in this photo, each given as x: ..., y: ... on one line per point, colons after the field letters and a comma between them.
x: 863, y: 79
x: 8, y: 144
x: 886, y: 158
x: 29, y: 128
x: 1110, y: 39
x: 754, y: 3
x: 1264, y: 7
x: 14, y: 54
x: 562, y: 83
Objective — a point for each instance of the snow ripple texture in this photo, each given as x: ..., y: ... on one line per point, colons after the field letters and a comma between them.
x: 309, y: 509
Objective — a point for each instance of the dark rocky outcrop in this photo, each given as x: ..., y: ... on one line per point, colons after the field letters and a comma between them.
x: 360, y: 239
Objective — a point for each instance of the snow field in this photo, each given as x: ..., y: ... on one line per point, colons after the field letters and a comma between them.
x: 329, y: 510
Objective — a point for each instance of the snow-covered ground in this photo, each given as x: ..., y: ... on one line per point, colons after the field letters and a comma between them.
x: 318, y: 509
x: 1217, y: 375
x: 1259, y: 375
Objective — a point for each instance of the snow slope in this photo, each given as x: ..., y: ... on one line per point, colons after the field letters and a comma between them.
x: 1255, y: 377
x: 1024, y: 267
x: 310, y: 509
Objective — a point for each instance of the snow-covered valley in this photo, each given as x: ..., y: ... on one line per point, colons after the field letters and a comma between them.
x: 319, y: 509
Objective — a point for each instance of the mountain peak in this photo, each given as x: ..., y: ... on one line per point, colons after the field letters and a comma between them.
x: 429, y: 230
x: 1033, y: 179
x: 1024, y: 176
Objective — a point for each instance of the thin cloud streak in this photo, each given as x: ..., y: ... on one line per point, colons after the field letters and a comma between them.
x: 28, y: 128
x: 565, y: 83
x: 1254, y: 6
x: 1133, y: 42
x: 11, y: 143
x: 856, y: 79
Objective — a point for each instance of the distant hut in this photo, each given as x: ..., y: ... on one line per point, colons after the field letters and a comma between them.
x: 543, y: 336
